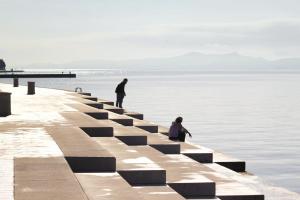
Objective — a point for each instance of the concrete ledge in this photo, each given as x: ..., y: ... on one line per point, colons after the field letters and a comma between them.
x: 163, y: 144
x: 167, y: 148
x: 162, y: 192
x: 45, y: 178
x: 92, y: 164
x: 184, y: 175
x: 81, y: 151
x: 95, y: 105
x: 163, y: 130
x: 135, y: 115
x: 195, y: 190
x: 114, y: 109
x: 98, y: 131
x: 197, y: 153
x: 85, y: 93
x: 147, y: 126
x: 106, y: 102
x: 238, y: 166
x: 106, y: 186
x: 98, y: 115
x: 200, y: 157
x: 133, y: 140
x: 134, y: 167
x: 91, y: 98
x: 121, y: 119
x: 229, y: 162
x: 144, y: 177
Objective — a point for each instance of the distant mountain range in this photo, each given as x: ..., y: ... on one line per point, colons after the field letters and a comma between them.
x: 193, y: 61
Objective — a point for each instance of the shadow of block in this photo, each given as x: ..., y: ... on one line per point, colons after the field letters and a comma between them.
x: 195, y: 190
x: 95, y: 105
x: 92, y: 164
x: 200, y: 157
x: 238, y: 166
x: 144, y: 177
x: 124, y: 122
x: 133, y: 140
x: 99, y: 131
x: 98, y: 115
x: 167, y: 148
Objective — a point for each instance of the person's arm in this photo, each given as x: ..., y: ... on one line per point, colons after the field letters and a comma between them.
x: 186, y: 131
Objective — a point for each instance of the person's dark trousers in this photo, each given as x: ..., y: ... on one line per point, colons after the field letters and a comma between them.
x: 120, y: 98
x: 173, y: 138
x: 181, y: 136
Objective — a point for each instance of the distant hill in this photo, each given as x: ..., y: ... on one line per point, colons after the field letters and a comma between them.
x: 193, y: 61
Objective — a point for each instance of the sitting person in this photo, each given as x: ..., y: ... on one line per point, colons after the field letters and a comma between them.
x: 177, y: 131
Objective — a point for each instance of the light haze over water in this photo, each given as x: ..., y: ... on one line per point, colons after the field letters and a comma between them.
x: 251, y: 116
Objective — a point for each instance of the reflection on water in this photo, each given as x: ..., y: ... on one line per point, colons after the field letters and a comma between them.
x: 254, y: 117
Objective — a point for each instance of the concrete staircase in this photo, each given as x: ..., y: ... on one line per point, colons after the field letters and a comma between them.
x: 110, y: 153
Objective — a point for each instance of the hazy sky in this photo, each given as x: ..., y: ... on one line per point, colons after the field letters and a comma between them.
x: 58, y: 31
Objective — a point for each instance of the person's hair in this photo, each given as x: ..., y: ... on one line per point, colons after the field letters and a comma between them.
x: 125, y: 80
x: 178, y: 120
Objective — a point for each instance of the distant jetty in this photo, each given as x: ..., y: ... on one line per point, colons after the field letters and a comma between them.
x: 35, y: 75
x: 11, y: 71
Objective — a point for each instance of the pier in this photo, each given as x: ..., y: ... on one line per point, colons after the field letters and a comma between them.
x: 33, y: 75
x: 64, y: 145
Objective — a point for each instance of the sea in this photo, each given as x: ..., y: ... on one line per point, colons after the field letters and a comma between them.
x: 251, y: 115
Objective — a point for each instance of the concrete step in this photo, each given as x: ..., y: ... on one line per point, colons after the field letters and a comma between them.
x: 106, y: 186
x: 45, y: 178
x: 163, y: 144
x: 81, y: 151
x: 184, y: 175
x: 135, y: 115
x: 80, y: 99
x: 91, y: 98
x: 80, y: 119
x: 147, y: 126
x: 231, y: 185
x: 229, y: 162
x: 135, y: 168
x: 99, y: 131
x: 121, y: 119
x: 163, y: 130
x: 85, y: 93
x: 113, y: 109
x: 91, y: 111
x: 196, y: 152
x: 95, y: 105
x: 106, y: 102
x: 157, y: 193
x: 128, y: 134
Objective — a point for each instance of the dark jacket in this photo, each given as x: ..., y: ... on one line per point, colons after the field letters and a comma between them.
x: 120, y: 89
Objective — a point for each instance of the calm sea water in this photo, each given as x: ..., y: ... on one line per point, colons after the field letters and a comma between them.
x: 252, y: 116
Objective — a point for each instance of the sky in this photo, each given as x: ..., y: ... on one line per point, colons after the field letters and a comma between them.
x: 62, y: 31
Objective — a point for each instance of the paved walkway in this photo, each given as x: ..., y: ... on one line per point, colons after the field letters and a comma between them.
x: 64, y: 145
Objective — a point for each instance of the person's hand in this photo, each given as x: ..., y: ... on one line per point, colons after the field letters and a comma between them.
x: 190, y: 135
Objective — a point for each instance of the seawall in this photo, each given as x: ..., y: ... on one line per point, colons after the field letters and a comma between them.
x: 66, y: 145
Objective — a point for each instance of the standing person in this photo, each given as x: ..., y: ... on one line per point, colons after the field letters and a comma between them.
x: 177, y: 131
x: 120, y: 91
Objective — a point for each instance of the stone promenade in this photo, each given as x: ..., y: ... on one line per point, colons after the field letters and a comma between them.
x: 61, y: 145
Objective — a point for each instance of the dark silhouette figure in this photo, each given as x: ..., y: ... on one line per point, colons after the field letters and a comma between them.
x: 120, y: 91
x: 2, y: 64
x: 177, y: 131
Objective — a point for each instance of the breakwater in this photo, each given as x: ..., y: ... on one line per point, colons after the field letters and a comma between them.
x: 46, y: 75
x: 76, y: 146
